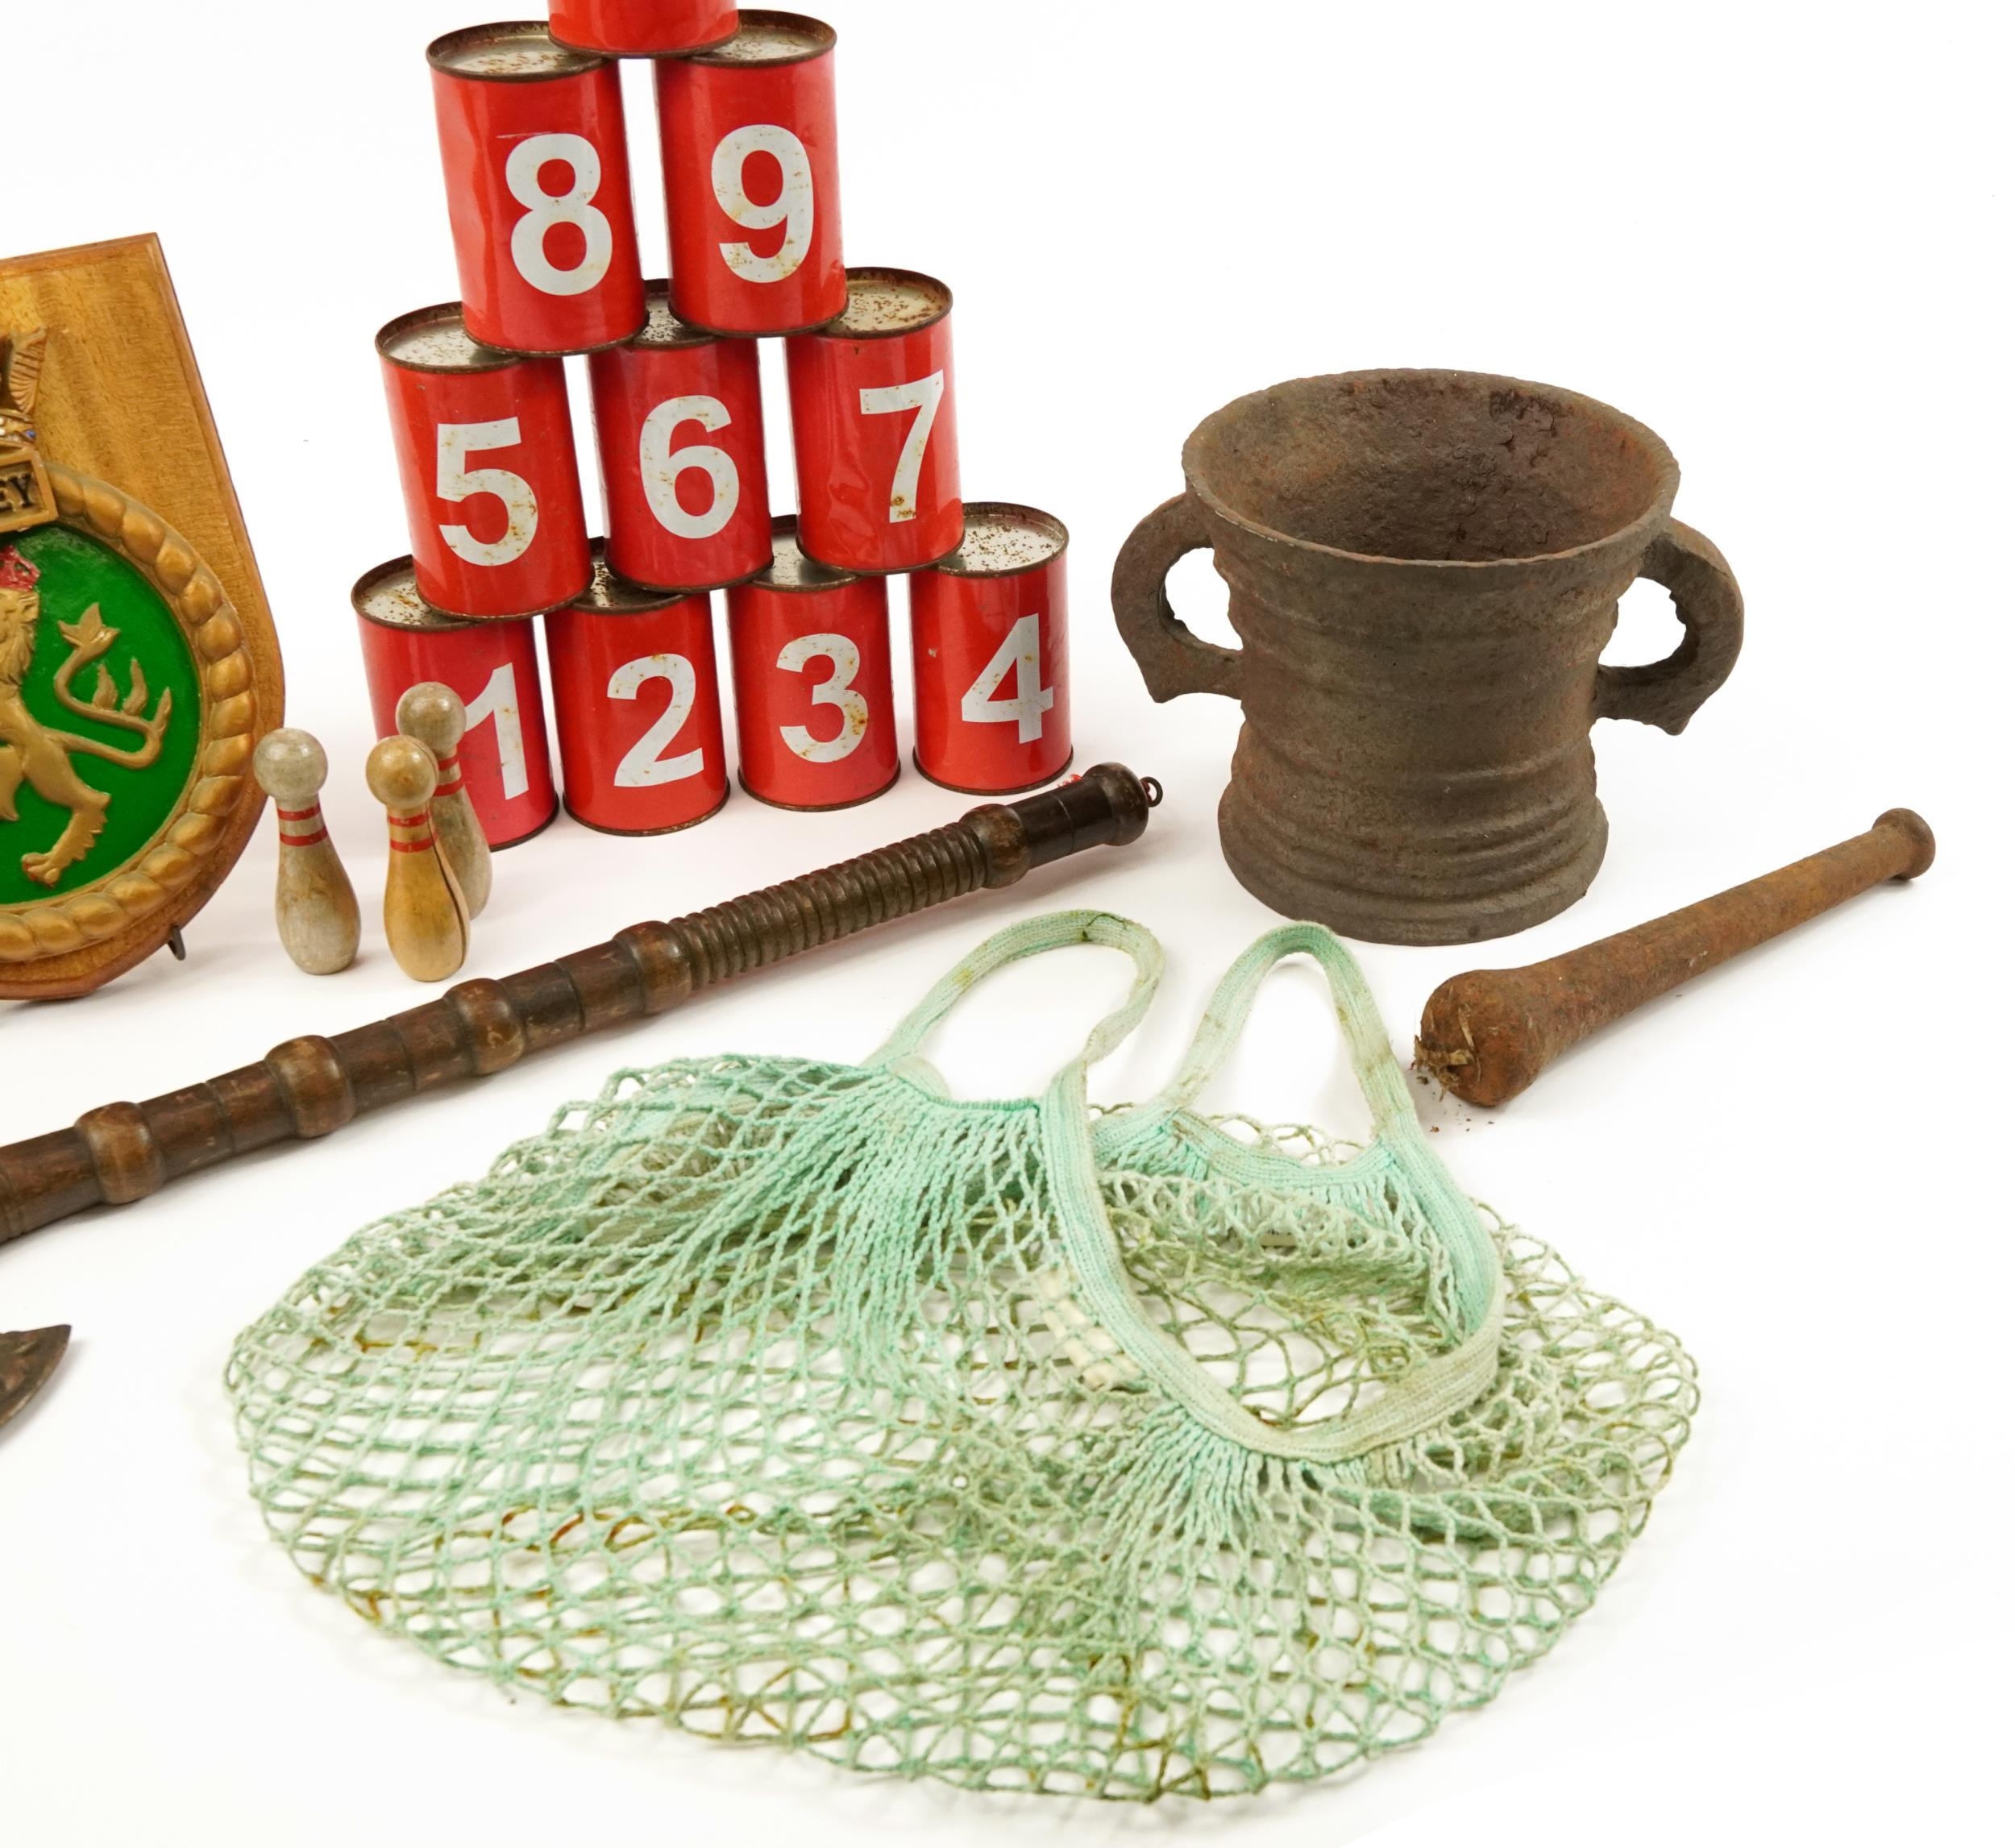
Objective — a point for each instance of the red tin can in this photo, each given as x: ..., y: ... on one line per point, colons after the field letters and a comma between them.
x: 752, y: 179
x: 538, y: 166
x: 877, y: 440
x: 486, y: 456
x: 492, y: 667
x: 815, y: 713
x: 679, y: 424
x: 642, y: 28
x: 637, y: 704
x: 991, y: 649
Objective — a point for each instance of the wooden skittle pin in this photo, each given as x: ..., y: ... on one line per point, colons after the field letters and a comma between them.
x: 432, y: 713
x: 314, y: 904
x: 427, y: 919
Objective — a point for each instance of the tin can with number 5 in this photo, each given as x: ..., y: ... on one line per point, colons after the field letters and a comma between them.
x: 642, y: 28
x: 989, y: 644
x: 537, y: 162
x: 637, y: 704
x: 486, y: 458
x: 493, y: 668
x: 871, y: 407
x: 679, y: 424
x: 752, y: 178
x: 815, y: 712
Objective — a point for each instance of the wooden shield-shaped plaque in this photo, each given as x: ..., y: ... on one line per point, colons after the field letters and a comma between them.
x: 139, y: 666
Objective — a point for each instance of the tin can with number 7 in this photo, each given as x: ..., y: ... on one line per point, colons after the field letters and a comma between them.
x: 537, y: 162
x: 991, y: 651
x: 492, y: 667
x: 486, y: 457
x: 750, y: 137
x: 815, y: 710
x: 637, y: 704
x: 871, y: 407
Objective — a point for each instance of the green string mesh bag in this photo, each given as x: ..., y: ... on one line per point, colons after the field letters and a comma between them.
x: 1126, y: 1454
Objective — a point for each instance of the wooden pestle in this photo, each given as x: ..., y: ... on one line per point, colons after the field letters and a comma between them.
x: 1487, y: 1034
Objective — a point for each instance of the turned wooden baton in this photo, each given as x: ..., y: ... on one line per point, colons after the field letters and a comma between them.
x: 309, y: 1087
x: 1487, y: 1034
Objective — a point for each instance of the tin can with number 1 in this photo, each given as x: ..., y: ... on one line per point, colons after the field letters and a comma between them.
x: 871, y: 406
x: 752, y: 178
x: 537, y: 161
x: 492, y: 667
x: 485, y: 448
x: 642, y: 28
x: 636, y: 704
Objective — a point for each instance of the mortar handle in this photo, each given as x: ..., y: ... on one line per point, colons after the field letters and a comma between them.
x: 1709, y: 602
x: 1173, y: 659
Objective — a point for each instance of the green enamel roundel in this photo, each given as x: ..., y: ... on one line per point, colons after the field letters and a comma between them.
x: 101, y: 714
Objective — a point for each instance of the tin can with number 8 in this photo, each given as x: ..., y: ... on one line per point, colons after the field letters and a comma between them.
x: 815, y: 711
x: 990, y: 646
x: 537, y: 162
x: 752, y: 178
x: 637, y: 704
x: 492, y: 667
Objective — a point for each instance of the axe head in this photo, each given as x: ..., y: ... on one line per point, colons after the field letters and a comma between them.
x: 26, y: 1362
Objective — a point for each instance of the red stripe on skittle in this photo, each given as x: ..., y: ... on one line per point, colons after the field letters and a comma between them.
x: 287, y: 840
x: 313, y: 814
x: 450, y: 782
x: 426, y: 846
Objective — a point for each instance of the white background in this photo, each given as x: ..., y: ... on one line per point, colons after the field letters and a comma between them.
x: 1775, y: 234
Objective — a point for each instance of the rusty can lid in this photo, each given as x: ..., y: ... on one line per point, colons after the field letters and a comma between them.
x: 610, y: 595
x: 390, y: 597
x: 512, y: 51
x: 437, y: 340
x: 770, y: 39
x: 1004, y: 540
x: 662, y: 330
x: 791, y: 569
x: 884, y: 303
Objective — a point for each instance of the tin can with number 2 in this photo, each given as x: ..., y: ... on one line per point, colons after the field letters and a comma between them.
x: 537, y: 161
x: 815, y: 712
x: 637, y: 704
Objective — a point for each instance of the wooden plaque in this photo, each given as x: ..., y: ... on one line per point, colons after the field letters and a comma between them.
x: 139, y: 666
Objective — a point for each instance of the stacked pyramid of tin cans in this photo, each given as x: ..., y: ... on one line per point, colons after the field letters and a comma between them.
x: 537, y: 156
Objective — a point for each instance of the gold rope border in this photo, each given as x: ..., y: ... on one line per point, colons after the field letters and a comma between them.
x: 198, y: 823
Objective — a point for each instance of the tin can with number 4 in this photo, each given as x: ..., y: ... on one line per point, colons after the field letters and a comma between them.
x: 642, y: 28
x: 990, y: 637
x: 493, y: 668
x: 537, y: 162
x: 752, y: 178
x: 815, y: 712
x: 679, y: 424
x: 877, y: 438
x: 637, y: 705
x: 486, y: 458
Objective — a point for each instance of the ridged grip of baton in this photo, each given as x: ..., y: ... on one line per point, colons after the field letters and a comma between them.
x: 309, y: 1087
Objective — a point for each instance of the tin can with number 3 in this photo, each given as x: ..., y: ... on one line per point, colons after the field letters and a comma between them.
x: 815, y: 712
x: 492, y: 667
x: 637, y: 704
x: 752, y: 178
x: 537, y: 161
x: 871, y: 405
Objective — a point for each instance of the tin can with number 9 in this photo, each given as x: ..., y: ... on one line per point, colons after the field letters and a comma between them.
x: 537, y: 162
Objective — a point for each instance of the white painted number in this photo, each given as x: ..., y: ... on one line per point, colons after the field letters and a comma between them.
x: 838, y: 691
x: 662, y: 466
x: 454, y: 480
x: 498, y: 700
x: 923, y: 396
x: 791, y: 208
x: 1020, y: 655
x: 544, y: 209
x: 646, y: 766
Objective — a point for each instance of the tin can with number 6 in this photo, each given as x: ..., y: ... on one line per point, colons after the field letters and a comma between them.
x: 537, y: 161
x: 493, y: 668
x: 642, y: 28
x: 990, y: 646
x: 637, y: 705
x: 486, y: 457
x: 679, y: 424
x: 815, y: 712
x: 877, y: 438
x: 752, y: 178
